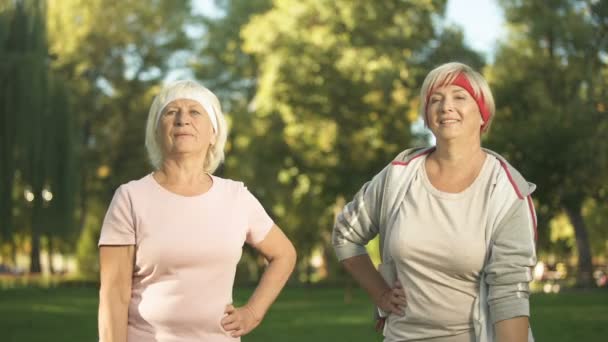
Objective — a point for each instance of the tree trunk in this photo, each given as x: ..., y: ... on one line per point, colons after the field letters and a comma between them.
x: 584, y: 276
x: 50, y: 255
x: 15, y: 252
x: 35, y: 245
x: 35, y: 252
x: 84, y: 159
x: 83, y: 201
x: 308, y: 269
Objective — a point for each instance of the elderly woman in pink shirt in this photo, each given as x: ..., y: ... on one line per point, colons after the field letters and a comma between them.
x: 170, y: 241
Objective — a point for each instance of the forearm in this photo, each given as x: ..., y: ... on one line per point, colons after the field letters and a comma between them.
x: 512, y: 330
x: 273, y: 280
x: 113, y: 318
x: 364, y: 272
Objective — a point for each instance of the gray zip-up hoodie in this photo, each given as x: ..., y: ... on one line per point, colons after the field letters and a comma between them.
x: 510, y: 235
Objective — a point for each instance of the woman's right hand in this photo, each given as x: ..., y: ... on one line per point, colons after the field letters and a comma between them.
x: 393, y: 300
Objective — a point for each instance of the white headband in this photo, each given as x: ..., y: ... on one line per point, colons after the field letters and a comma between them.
x: 194, y: 96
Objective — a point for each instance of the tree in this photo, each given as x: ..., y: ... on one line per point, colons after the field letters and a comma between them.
x: 231, y: 73
x: 64, y: 72
x: 114, y: 70
x: 223, y: 66
x: 550, y: 78
x: 113, y: 56
x: 336, y: 92
x: 36, y: 127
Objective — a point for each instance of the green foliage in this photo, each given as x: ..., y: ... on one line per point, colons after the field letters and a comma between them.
x: 321, y: 95
x: 223, y: 65
x: 109, y: 73
x: 87, y: 251
x: 596, y: 219
x: 37, y: 129
x: 550, y: 81
x: 112, y: 71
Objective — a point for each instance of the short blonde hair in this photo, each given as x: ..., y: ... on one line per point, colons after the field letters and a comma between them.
x: 182, y: 89
x: 444, y: 75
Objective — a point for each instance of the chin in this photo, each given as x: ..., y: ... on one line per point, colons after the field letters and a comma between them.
x: 181, y: 149
x: 448, y: 133
x: 452, y: 134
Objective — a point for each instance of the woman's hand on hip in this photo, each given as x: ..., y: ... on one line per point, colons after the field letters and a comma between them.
x: 239, y: 321
x: 393, y: 300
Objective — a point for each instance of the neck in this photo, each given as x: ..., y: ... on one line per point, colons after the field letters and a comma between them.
x: 457, y: 155
x: 182, y: 171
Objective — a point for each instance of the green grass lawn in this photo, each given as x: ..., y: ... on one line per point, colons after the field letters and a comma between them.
x: 316, y: 314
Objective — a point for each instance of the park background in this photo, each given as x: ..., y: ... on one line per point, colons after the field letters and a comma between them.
x: 320, y: 95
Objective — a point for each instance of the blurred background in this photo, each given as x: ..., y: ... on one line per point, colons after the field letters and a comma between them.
x: 320, y: 95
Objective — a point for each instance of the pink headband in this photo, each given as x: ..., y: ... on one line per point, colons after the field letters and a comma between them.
x: 462, y: 81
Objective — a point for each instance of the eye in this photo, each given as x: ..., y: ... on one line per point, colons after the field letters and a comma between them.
x: 434, y: 100
x: 170, y: 112
x: 460, y: 95
x: 195, y: 112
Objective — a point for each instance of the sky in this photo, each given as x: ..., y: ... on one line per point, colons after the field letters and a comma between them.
x: 481, y: 20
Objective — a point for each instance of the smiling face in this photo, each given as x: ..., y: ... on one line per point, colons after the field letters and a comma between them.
x: 453, y: 113
x: 185, y: 129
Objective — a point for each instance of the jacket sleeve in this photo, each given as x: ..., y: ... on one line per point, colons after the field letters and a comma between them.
x: 358, y: 222
x: 509, y: 268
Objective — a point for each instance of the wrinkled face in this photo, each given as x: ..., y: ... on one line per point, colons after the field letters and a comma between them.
x: 452, y: 113
x: 185, y: 128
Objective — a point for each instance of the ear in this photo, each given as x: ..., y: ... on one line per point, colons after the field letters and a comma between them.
x: 213, y: 140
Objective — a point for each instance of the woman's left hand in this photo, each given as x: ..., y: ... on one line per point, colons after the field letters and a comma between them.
x: 239, y: 321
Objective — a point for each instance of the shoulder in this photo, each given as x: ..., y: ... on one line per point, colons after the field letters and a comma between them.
x: 510, y: 199
x: 135, y: 186
x: 407, y: 156
x: 509, y: 177
x: 398, y: 172
x: 227, y: 182
x: 229, y: 186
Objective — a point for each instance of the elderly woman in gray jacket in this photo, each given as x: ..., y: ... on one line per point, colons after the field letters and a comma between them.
x: 457, y: 227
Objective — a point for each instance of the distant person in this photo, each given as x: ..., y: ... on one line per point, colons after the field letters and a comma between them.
x: 457, y: 227
x: 170, y: 241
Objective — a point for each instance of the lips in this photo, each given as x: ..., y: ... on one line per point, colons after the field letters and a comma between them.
x: 182, y: 136
x: 448, y: 121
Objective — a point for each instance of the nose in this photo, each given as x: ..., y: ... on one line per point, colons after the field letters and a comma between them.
x: 446, y: 104
x: 182, y: 118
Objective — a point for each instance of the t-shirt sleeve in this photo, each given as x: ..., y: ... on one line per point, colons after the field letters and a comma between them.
x: 118, y: 225
x: 258, y: 221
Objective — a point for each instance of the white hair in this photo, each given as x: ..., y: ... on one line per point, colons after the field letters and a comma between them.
x: 193, y: 91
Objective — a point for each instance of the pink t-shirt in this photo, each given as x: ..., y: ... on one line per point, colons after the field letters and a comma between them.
x: 186, y: 252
